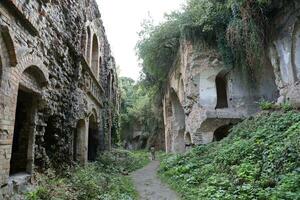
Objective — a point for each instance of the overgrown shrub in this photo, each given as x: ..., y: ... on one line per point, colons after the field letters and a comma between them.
x: 104, y: 179
x: 258, y: 160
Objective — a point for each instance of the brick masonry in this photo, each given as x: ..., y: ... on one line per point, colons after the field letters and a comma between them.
x: 57, y: 53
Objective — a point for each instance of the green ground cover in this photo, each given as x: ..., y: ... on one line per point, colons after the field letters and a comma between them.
x: 105, y: 179
x: 258, y: 160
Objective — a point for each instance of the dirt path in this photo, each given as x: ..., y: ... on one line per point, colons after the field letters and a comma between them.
x: 149, y: 186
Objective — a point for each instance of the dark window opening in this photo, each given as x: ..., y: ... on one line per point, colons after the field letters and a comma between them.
x: 221, y: 86
x: 93, y: 140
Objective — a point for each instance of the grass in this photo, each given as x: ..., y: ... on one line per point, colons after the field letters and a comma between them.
x: 105, y: 179
x: 258, y: 160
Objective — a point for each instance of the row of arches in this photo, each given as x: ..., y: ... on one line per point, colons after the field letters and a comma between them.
x: 22, y: 84
x: 90, y: 48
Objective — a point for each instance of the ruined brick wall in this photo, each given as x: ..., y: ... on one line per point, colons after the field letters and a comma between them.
x: 57, y: 53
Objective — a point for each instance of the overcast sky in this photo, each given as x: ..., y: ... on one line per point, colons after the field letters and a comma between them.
x: 122, y: 20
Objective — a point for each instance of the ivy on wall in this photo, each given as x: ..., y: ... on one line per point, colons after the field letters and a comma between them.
x: 236, y: 28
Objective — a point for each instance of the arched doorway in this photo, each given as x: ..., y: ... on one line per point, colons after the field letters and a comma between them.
x: 93, y: 139
x: 28, y: 98
x: 178, y: 124
x: 221, y: 86
x: 23, y: 137
x: 222, y: 132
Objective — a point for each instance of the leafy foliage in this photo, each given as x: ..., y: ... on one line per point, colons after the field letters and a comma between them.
x: 236, y: 28
x: 102, y: 180
x: 258, y: 160
x: 267, y: 105
x: 138, y: 107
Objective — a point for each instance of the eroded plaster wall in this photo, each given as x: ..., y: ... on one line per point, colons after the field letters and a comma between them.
x: 211, y: 95
x: 284, y: 51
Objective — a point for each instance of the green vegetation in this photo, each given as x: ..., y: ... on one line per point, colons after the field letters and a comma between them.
x: 258, y: 160
x: 267, y: 105
x: 138, y: 108
x: 236, y: 28
x: 103, y: 180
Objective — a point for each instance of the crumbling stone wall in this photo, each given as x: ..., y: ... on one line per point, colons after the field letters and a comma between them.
x: 214, y: 97
x: 57, y: 53
x: 204, y: 96
x: 284, y: 51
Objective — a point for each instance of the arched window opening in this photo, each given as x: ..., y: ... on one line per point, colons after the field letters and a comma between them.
x: 93, y: 141
x: 221, y: 86
x: 36, y: 76
x: 95, y: 56
x: 222, y: 132
x: 88, y: 45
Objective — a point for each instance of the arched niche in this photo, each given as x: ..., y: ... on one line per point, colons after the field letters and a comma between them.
x: 9, y: 45
x: 34, y: 78
x: 95, y: 56
x: 7, y: 53
x: 32, y: 71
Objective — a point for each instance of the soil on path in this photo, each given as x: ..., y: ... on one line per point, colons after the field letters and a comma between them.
x: 149, y: 186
